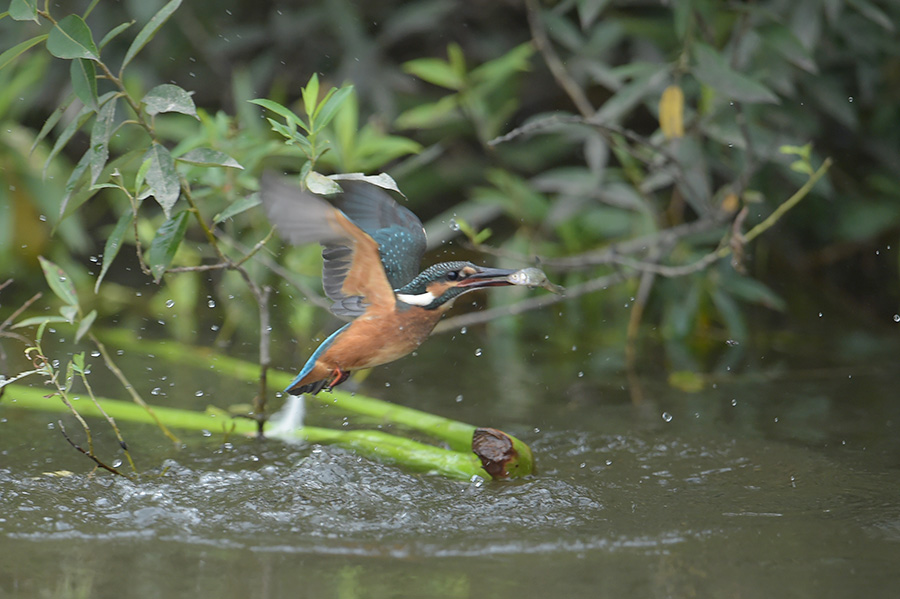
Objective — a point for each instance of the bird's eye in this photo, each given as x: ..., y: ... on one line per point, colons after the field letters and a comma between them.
x: 452, y: 275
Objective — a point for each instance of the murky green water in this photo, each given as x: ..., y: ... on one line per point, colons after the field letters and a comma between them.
x: 779, y: 479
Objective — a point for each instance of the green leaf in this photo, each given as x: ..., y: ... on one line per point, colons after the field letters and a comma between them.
x: 149, y: 30
x: 71, y: 38
x: 320, y: 184
x: 712, y: 70
x: 84, y: 81
x: 23, y: 10
x: 162, y: 177
x: 100, y: 133
x: 209, y: 157
x: 430, y: 115
x: 114, y: 32
x: 69, y: 313
x: 141, y: 176
x: 28, y: 322
x: 78, y: 361
x: 326, y: 111
x: 237, y: 207
x: 113, y: 244
x: 169, y: 98
x: 60, y: 283
x: 435, y: 71
x: 75, y: 178
x: 382, y: 180
x: 52, y: 120
x: 310, y: 95
x: 72, y: 128
x: 281, y: 111
x: 9, y: 55
x: 165, y: 244
x: 85, y: 325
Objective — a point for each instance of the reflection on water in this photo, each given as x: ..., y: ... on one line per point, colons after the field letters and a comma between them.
x: 758, y: 486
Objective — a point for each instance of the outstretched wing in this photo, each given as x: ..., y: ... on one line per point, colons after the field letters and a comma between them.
x: 397, y: 231
x: 353, y: 273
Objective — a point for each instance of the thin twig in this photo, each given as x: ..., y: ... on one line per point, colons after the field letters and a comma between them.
x: 111, y: 364
x: 556, y: 66
x: 90, y: 454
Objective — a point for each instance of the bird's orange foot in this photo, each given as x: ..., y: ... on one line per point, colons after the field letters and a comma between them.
x: 338, y: 377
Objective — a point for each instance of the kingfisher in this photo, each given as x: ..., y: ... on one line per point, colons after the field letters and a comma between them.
x: 372, y: 249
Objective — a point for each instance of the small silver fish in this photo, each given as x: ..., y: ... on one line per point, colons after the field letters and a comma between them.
x: 534, y: 277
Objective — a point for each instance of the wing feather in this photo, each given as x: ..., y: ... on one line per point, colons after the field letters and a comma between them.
x: 353, y: 275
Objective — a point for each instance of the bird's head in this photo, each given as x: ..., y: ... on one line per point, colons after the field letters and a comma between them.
x: 437, y: 286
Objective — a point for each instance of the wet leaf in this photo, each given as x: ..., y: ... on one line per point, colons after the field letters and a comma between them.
x: 169, y: 98
x: 114, y: 244
x: 23, y: 10
x: 382, y: 180
x: 150, y: 30
x: 162, y: 177
x: 712, y: 70
x: 37, y: 320
x: 84, y: 326
x: 209, y: 157
x: 71, y: 38
x: 320, y: 184
x: 72, y: 128
x: 84, y: 81
x: 60, y: 283
x: 70, y: 313
x: 9, y: 55
x: 100, y: 133
x: 165, y: 244
x: 238, y: 207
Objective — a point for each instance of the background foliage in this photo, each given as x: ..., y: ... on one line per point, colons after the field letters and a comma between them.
x: 146, y: 137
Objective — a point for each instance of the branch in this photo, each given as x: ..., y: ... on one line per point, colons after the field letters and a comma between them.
x: 556, y: 66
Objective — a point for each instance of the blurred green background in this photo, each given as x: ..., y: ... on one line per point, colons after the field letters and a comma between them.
x: 578, y: 84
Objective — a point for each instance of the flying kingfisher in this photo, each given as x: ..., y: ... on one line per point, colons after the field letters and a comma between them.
x: 372, y: 247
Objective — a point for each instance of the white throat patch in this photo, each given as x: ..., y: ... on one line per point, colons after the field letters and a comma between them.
x: 422, y: 299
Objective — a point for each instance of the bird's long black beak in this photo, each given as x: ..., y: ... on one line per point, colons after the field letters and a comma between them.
x: 487, y: 277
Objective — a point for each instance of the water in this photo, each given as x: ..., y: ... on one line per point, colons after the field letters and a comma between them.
x: 777, y: 479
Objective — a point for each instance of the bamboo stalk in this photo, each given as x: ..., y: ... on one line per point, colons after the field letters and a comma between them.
x: 458, y: 435
x: 378, y: 445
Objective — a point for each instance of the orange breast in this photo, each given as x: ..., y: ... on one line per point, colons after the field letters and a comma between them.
x: 377, y: 339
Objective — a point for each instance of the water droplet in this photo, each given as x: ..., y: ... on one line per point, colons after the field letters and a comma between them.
x: 198, y: 393
x: 95, y: 354
x: 734, y: 403
x: 454, y: 226
x: 116, y: 463
x: 582, y: 465
x: 478, y: 352
x: 463, y: 331
x: 155, y: 391
x: 214, y: 327
x: 667, y: 417
x: 211, y: 303
x: 170, y: 303
x: 820, y: 315
x: 896, y: 317
x: 459, y: 398
x: 732, y: 342
x: 850, y: 99
x: 580, y: 374
x: 387, y: 384
x: 206, y: 433
x: 574, y: 348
